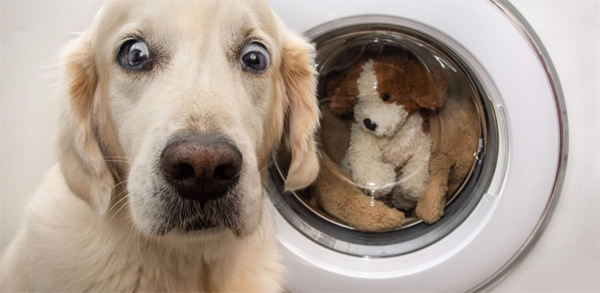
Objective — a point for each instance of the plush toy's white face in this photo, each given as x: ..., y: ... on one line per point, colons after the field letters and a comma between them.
x: 371, y: 112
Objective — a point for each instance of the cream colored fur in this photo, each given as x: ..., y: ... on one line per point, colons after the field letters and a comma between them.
x: 375, y: 157
x: 100, y: 220
x: 64, y: 247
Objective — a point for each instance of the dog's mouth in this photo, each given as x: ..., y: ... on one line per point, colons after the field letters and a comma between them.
x: 196, y: 224
x: 181, y: 215
x: 226, y: 215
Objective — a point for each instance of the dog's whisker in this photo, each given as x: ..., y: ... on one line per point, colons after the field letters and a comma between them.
x: 118, y: 159
x: 131, y: 231
x: 156, y: 241
x: 146, y: 245
x: 120, y: 183
x: 124, y: 205
x: 268, y: 144
x: 116, y: 203
x: 141, y: 258
x: 106, y: 225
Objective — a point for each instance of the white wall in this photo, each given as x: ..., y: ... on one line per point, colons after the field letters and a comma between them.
x: 32, y: 32
x: 567, y: 258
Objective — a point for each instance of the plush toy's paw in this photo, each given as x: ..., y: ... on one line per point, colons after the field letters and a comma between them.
x: 399, y: 201
x: 375, y: 216
x: 412, y: 187
x: 342, y: 199
x: 430, y: 211
x: 375, y: 180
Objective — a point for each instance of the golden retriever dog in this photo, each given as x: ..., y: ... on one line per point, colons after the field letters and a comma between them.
x: 172, y: 111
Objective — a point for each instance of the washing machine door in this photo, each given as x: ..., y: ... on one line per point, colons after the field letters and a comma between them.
x: 481, y: 59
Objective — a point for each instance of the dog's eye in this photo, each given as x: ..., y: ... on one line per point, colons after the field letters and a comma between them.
x: 255, y: 58
x: 135, y: 55
x: 385, y: 97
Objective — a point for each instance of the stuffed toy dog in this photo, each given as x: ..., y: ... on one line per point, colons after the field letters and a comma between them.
x: 398, y: 93
x: 389, y: 142
x: 389, y: 145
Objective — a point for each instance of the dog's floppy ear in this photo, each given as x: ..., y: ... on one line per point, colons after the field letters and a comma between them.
x: 302, y: 113
x: 81, y: 159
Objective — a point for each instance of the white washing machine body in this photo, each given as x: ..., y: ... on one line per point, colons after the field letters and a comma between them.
x: 513, y: 71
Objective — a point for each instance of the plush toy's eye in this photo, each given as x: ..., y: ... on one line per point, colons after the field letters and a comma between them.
x: 385, y: 97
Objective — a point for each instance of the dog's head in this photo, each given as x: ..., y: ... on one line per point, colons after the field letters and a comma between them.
x: 383, y: 91
x: 178, y: 105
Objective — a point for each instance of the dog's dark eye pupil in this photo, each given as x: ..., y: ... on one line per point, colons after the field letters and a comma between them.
x: 137, y: 56
x: 255, y: 58
x: 386, y: 97
x: 134, y: 55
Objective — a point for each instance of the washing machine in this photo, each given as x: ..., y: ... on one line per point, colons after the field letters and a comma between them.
x: 486, y: 60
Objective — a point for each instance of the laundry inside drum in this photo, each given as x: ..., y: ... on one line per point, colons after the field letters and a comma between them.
x: 402, y: 129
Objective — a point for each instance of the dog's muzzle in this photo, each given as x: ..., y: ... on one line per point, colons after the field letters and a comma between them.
x: 201, y: 168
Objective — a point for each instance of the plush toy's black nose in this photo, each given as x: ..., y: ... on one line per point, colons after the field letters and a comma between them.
x: 369, y: 124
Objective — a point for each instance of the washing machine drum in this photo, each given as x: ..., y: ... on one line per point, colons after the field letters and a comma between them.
x: 425, y: 182
x: 403, y: 131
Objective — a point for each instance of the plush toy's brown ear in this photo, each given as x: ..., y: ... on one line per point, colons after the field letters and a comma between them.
x: 81, y: 160
x: 437, y: 94
x: 342, y: 91
x: 302, y: 113
x: 410, y: 83
x: 428, y: 87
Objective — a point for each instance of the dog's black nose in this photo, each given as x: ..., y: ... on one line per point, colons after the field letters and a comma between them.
x: 369, y: 124
x: 201, y: 167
